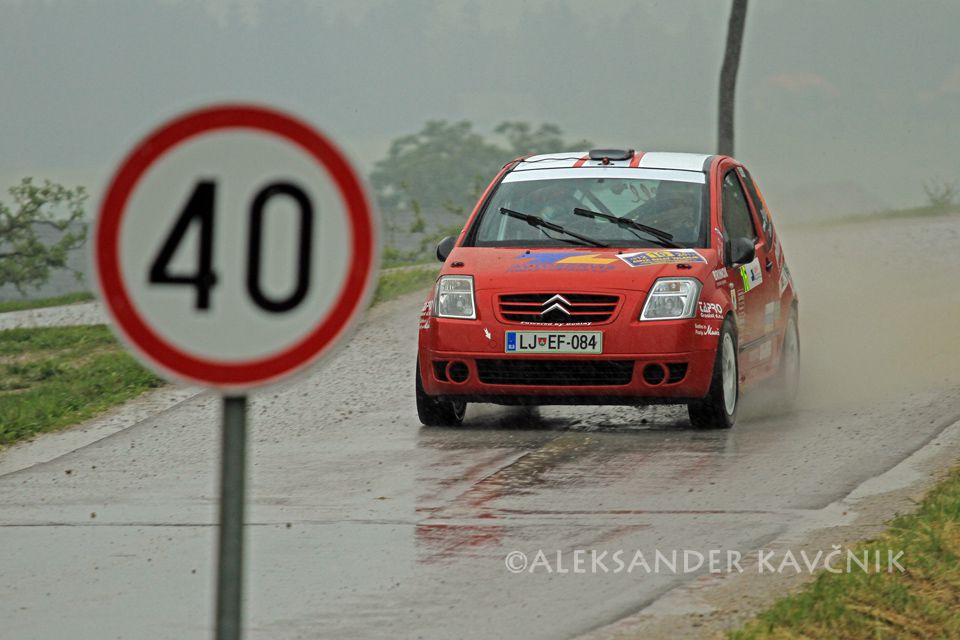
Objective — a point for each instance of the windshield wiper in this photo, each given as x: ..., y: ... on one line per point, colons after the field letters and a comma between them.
x: 535, y: 221
x: 661, y: 238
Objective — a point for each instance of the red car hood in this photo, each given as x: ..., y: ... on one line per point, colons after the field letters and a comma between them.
x: 572, y: 269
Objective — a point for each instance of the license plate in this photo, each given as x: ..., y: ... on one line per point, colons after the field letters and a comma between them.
x: 554, y: 342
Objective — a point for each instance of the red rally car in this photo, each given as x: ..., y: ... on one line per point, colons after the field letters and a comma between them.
x: 612, y: 277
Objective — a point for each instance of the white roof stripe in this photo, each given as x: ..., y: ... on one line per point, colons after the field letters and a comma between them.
x: 628, y: 173
x: 650, y: 160
x: 669, y: 160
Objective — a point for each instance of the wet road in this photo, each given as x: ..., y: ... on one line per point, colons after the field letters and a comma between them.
x: 363, y: 524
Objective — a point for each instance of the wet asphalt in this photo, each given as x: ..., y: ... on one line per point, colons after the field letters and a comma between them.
x: 363, y: 524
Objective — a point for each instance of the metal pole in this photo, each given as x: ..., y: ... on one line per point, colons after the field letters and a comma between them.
x: 232, y: 487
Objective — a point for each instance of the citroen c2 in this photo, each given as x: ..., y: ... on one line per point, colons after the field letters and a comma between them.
x: 611, y: 277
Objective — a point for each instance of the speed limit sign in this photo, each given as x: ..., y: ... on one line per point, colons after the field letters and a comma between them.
x: 234, y: 246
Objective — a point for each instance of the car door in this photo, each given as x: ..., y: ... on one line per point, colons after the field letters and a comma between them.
x: 755, y: 286
x: 774, y: 264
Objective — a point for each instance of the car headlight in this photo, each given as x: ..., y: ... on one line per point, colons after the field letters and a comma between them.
x: 454, y: 298
x: 672, y: 299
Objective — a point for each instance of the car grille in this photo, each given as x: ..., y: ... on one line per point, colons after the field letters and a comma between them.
x: 561, y: 373
x: 563, y: 308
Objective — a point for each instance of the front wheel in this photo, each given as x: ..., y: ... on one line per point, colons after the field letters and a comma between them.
x: 719, y: 409
x: 434, y: 412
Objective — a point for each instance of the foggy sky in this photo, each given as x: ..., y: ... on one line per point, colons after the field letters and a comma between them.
x: 846, y: 105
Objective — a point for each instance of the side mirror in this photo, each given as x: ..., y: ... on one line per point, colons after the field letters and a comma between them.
x: 740, y: 251
x: 446, y: 246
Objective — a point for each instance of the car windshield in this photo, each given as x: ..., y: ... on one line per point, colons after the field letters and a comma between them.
x: 672, y: 206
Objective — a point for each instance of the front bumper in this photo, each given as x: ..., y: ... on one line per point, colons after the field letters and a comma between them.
x: 642, y: 363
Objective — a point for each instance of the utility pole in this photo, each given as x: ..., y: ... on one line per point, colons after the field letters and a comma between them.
x: 728, y: 77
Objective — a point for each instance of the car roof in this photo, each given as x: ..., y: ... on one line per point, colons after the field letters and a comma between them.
x: 698, y: 162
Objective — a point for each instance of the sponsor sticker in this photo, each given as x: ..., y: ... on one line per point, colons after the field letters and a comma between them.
x: 651, y: 257
x: 761, y: 352
x: 719, y: 275
x: 751, y: 274
x: 705, y: 330
x: 532, y: 262
x: 425, y: 314
x: 770, y: 314
x: 710, y: 310
x: 785, y: 278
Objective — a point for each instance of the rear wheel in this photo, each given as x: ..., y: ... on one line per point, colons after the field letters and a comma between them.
x: 434, y: 412
x: 719, y: 409
x: 788, y: 377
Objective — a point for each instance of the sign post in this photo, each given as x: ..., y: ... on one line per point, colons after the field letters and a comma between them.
x: 233, y: 471
x: 234, y: 247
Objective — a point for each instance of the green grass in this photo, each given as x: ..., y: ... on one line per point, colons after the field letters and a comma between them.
x: 21, y: 305
x: 388, y: 261
x: 393, y: 284
x: 922, y: 602
x: 54, y: 377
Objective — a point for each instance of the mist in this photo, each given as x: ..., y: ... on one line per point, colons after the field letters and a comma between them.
x: 841, y: 108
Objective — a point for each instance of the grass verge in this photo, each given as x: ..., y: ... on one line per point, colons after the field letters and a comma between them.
x: 23, y: 305
x: 54, y: 377
x: 922, y: 602
x: 395, y: 283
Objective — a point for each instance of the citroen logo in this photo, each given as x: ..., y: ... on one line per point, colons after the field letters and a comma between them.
x: 554, y: 304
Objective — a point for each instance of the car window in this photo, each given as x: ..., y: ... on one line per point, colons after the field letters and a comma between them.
x: 757, y: 201
x: 674, y: 207
x: 737, y: 221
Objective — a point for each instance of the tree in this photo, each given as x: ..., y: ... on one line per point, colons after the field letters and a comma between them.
x: 940, y: 194
x: 442, y: 170
x: 440, y: 167
x: 548, y: 138
x: 445, y: 166
x: 37, y: 232
x: 728, y: 76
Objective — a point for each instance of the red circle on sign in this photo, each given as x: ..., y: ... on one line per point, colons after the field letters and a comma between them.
x: 205, y: 371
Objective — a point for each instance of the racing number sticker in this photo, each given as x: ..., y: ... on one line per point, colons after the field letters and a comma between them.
x: 661, y: 256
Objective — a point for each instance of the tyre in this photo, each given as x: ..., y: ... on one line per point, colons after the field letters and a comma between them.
x: 434, y: 412
x: 718, y: 410
x: 788, y: 375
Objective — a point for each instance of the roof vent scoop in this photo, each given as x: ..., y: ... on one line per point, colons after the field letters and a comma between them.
x: 611, y: 154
